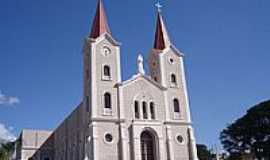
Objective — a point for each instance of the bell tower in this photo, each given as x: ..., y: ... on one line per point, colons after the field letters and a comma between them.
x: 166, y: 65
x: 101, y: 68
x: 101, y: 74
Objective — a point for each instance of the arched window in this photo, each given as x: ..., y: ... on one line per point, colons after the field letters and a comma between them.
x: 152, y: 110
x: 107, y: 100
x: 148, y: 148
x: 173, y: 78
x: 176, y: 106
x: 144, y: 110
x: 107, y: 71
x: 136, y: 110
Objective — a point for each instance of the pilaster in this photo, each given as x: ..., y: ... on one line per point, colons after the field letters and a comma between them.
x: 95, y: 141
x: 169, y: 143
x: 124, y: 142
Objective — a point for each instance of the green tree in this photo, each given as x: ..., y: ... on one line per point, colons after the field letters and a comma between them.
x: 6, y: 150
x: 203, y: 152
x: 249, y: 134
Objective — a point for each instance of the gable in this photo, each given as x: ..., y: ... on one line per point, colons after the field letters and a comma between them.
x: 107, y: 37
x: 171, y: 49
x: 139, y: 78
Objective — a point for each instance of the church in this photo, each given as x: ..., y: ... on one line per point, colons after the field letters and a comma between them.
x: 146, y: 117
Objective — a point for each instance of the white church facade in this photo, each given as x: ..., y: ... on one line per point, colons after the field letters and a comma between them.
x: 146, y: 117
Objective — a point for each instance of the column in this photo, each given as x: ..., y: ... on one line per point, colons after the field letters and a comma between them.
x: 136, y: 148
x: 140, y: 106
x: 148, y: 111
x: 161, y: 148
x: 169, y: 143
x: 124, y: 141
x: 95, y: 141
x: 167, y: 108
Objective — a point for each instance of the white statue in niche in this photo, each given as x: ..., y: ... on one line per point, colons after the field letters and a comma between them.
x: 140, y: 64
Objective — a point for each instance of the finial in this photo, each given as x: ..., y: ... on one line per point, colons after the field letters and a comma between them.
x: 159, y: 6
x: 140, y: 64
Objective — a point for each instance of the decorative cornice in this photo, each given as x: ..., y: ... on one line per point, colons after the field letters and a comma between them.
x: 178, y: 123
x: 107, y: 120
x: 147, y: 123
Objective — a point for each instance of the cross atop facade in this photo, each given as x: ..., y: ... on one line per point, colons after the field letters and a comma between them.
x: 159, y: 6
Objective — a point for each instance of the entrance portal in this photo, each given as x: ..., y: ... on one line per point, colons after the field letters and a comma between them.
x: 148, y: 146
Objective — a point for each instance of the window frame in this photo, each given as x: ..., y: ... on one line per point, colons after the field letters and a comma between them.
x: 176, y: 105
x: 107, y: 70
x: 173, y: 79
x: 104, y: 75
x: 105, y: 140
x: 107, y: 100
x: 176, y: 108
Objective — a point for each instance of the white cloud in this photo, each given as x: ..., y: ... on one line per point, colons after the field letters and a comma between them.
x: 6, y: 134
x: 8, y: 100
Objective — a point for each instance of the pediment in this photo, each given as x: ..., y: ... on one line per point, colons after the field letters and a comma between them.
x: 137, y: 77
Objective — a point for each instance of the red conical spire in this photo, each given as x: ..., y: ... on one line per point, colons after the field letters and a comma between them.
x: 162, y: 39
x: 100, y: 24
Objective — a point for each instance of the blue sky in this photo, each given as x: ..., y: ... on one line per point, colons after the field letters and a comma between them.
x: 226, y: 44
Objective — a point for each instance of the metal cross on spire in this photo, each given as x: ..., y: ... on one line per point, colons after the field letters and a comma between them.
x: 159, y: 6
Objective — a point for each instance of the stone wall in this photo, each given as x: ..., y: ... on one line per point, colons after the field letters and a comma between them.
x: 69, y: 137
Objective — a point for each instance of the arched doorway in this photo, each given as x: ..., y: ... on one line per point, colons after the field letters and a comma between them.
x: 148, y: 146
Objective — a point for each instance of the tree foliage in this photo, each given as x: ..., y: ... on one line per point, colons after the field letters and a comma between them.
x: 249, y: 134
x: 203, y: 152
x: 6, y: 150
